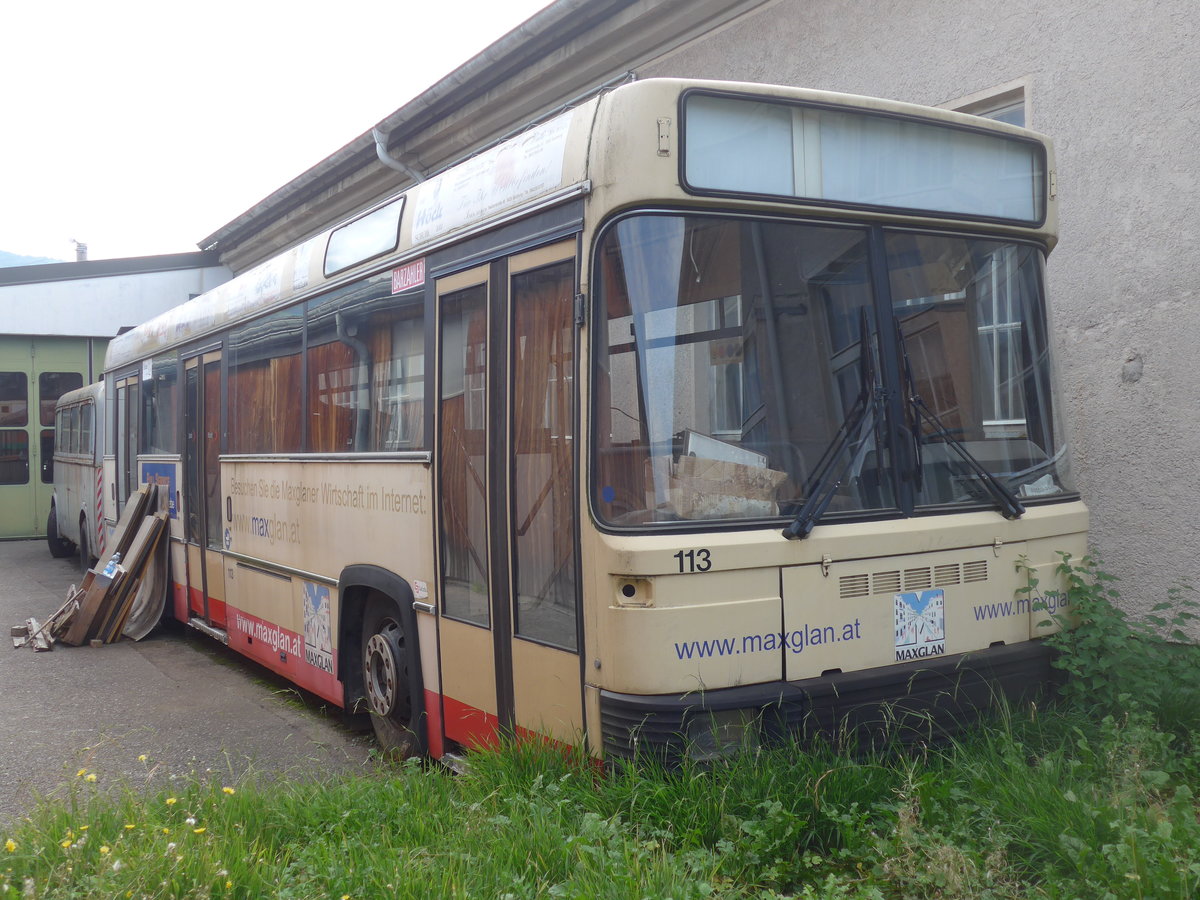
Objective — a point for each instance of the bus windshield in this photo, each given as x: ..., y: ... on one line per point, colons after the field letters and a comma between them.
x: 734, y: 357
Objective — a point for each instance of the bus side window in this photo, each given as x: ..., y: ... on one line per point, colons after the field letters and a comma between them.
x: 73, y: 430
x: 264, y: 384
x: 86, y: 416
x: 366, y: 369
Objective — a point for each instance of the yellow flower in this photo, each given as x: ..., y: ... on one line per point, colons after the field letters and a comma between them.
x: 65, y: 844
x: 91, y: 776
x: 142, y: 758
x: 129, y: 826
x: 171, y: 801
x: 10, y: 845
x: 228, y: 884
x: 227, y: 790
x: 199, y: 830
x: 166, y: 831
x: 84, y: 827
x: 104, y: 849
x: 81, y: 773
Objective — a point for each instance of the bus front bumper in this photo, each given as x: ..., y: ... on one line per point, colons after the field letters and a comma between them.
x: 907, y: 702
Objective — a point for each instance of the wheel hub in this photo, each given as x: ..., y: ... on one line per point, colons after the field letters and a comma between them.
x: 381, y: 671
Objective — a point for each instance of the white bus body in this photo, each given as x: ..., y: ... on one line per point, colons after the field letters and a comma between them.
x: 76, y: 522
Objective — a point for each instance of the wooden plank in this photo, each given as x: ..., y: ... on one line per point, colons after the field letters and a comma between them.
x: 110, y: 609
x: 136, y: 507
x: 37, y: 635
x: 97, y: 590
x: 137, y: 563
x: 135, y: 557
x: 141, y: 551
x: 58, y: 622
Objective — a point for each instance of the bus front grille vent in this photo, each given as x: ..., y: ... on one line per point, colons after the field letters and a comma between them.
x: 851, y: 587
x: 975, y: 571
x: 885, y: 582
x: 917, y: 579
x: 944, y: 575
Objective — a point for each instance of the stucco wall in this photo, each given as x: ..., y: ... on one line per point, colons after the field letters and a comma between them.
x: 1115, y: 85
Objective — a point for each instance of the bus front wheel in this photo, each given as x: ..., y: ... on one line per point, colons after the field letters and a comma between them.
x: 386, y: 678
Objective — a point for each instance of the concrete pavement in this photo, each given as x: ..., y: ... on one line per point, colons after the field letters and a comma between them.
x: 179, y: 698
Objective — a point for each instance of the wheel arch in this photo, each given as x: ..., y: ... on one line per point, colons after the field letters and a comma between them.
x: 356, y: 586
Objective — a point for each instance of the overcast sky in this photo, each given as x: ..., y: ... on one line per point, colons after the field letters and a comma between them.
x: 140, y: 127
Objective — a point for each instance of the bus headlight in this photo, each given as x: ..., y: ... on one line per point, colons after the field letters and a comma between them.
x: 713, y: 735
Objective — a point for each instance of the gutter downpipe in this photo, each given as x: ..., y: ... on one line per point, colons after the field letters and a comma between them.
x: 390, y: 161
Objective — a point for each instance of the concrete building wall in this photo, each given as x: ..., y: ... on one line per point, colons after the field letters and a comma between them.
x: 1113, y: 84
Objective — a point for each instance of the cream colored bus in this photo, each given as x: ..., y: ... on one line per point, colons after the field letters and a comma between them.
x: 692, y: 416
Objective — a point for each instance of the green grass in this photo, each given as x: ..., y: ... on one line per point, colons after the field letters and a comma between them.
x: 1041, y: 803
x: 1091, y: 798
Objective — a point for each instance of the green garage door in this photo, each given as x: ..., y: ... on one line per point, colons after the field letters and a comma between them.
x: 34, y: 373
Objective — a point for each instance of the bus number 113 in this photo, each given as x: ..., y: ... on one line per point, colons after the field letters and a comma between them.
x: 694, y: 560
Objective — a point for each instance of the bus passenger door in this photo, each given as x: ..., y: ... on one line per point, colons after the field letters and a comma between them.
x: 202, y: 489
x: 471, y: 706
x: 507, y: 489
x: 540, y: 513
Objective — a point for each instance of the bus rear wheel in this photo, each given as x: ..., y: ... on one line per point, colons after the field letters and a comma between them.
x: 386, y: 678
x: 59, y: 548
x: 85, y: 552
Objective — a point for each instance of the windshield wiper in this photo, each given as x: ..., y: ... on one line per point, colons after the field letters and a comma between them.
x: 1010, y: 506
x: 851, y: 441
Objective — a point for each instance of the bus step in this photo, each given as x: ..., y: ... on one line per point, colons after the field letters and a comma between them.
x: 455, y: 763
x: 218, y: 633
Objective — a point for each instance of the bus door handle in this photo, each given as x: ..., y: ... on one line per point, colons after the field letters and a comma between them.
x: 229, y: 508
x: 421, y: 606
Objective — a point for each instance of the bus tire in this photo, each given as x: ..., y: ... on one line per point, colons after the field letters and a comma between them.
x: 85, y: 551
x: 59, y: 548
x: 386, y: 678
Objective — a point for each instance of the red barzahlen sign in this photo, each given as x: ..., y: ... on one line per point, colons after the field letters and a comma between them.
x: 408, y: 275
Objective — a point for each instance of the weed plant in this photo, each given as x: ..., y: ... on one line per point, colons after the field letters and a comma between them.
x: 1088, y: 798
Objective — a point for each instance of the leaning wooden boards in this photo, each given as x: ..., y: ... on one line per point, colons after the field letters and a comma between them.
x: 108, y: 598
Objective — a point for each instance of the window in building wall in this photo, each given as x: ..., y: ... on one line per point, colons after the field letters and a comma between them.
x: 14, y: 398
x: 14, y: 456
x: 1005, y: 103
x: 51, y: 386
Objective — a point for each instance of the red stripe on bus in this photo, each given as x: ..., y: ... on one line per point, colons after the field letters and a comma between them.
x: 283, y: 651
x: 469, y: 726
x: 433, y: 724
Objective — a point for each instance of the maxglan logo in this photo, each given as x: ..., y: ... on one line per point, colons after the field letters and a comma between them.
x: 920, y: 624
